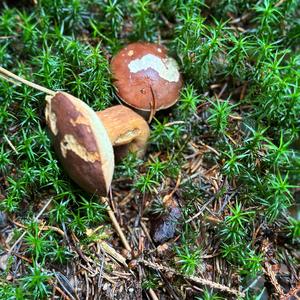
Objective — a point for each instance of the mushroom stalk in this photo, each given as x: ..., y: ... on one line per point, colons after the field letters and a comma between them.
x: 127, y: 130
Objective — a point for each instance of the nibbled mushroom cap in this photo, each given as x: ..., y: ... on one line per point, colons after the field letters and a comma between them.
x: 140, y: 67
x: 127, y: 130
x: 81, y: 142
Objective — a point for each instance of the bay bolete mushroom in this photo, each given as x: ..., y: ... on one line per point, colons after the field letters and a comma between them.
x: 81, y: 142
x: 145, y: 77
x: 83, y: 139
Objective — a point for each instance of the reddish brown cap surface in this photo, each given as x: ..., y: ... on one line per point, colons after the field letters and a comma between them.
x: 81, y: 142
x: 140, y: 67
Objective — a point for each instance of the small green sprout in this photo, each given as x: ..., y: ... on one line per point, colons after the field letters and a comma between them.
x: 188, y: 259
x: 219, y: 115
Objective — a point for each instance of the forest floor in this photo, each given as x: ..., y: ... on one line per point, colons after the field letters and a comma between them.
x: 212, y: 211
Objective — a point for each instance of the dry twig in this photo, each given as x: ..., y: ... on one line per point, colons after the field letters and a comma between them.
x: 35, y: 219
x: 16, y: 79
x: 272, y: 276
x: 152, y: 106
x: 116, y: 224
x: 199, y: 280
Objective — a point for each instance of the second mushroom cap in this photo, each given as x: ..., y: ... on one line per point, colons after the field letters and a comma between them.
x: 146, y: 77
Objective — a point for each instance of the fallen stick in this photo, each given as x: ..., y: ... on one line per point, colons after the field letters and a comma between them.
x: 196, y: 279
x: 116, y: 224
x: 11, y: 77
x: 35, y: 219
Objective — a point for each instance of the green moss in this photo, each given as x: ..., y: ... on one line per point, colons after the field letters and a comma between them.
x: 240, y: 108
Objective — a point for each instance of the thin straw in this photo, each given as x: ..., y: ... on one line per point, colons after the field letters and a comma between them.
x: 10, y: 79
x: 9, y: 75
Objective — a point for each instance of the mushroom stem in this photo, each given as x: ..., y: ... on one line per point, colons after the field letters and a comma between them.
x: 11, y: 77
x: 127, y: 130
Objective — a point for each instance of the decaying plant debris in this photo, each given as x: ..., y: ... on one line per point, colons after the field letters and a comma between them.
x: 225, y: 157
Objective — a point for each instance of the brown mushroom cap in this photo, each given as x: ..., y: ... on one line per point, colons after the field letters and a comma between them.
x: 143, y: 71
x: 81, y: 142
x: 127, y: 130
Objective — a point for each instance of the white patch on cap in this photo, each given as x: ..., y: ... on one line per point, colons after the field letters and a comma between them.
x: 70, y: 143
x: 50, y: 116
x: 130, y: 52
x: 167, y: 68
